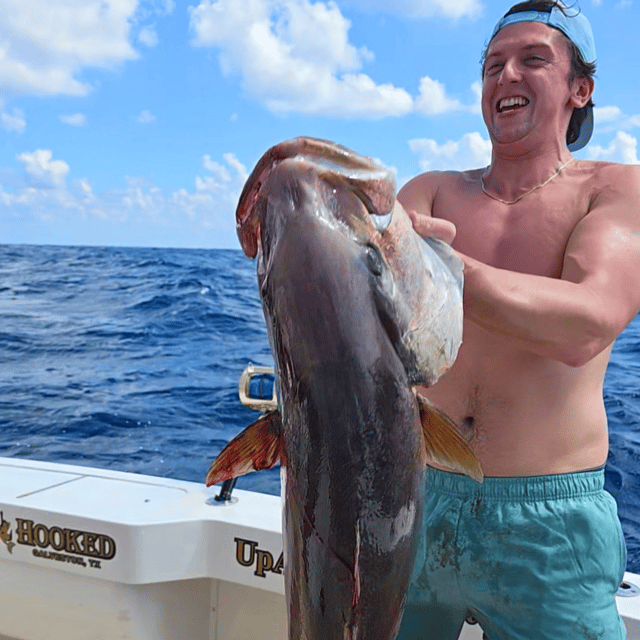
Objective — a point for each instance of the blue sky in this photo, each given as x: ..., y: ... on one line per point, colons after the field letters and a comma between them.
x: 136, y: 122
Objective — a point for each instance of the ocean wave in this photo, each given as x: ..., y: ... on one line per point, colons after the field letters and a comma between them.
x: 129, y: 359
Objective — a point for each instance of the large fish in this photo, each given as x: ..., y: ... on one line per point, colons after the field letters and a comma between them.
x: 359, y: 310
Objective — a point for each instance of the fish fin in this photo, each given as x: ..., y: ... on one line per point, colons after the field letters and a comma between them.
x: 254, y: 449
x: 443, y: 442
x: 449, y: 257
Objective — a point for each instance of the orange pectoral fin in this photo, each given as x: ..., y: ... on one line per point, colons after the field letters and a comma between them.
x: 443, y: 442
x: 254, y: 449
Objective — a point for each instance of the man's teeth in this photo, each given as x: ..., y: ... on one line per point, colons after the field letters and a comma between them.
x: 507, y: 103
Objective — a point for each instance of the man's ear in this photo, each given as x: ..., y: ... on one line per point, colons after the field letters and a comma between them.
x: 582, y: 89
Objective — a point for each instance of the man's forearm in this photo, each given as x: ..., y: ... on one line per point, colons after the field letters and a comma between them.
x: 547, y: 316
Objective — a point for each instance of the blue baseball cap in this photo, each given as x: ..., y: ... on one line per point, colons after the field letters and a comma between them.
x: 577, y: 28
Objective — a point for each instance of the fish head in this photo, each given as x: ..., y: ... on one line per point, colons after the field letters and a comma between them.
x: 316, y: 171
x: 330, y: 219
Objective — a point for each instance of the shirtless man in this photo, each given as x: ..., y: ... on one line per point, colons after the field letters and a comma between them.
x: 551, y: 247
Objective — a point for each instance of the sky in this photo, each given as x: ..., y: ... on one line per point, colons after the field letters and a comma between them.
x: 136, y: 122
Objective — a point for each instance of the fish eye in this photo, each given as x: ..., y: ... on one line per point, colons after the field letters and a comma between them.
x: 374, y: 260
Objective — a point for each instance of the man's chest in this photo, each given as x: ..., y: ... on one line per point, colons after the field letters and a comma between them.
x: 529, y: 237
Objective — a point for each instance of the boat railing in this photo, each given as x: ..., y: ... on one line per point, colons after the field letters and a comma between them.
x: 257, y: 390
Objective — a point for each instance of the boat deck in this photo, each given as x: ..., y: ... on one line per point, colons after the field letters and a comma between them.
x: 91, y: 553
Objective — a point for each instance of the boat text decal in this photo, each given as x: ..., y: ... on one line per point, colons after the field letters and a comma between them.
x: 249, y: 555
x: 72, y: 546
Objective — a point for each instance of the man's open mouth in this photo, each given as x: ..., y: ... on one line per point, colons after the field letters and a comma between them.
x: 511, y: 104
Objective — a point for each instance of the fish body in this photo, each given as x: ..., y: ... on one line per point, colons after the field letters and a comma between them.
x: 359, y: 310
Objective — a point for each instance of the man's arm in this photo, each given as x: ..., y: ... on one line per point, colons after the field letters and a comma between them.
x: 417, y: 195
x: 573, y: 318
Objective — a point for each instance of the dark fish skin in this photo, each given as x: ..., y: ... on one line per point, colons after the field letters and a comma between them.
x: 352, y: 444
x: 356, y: 316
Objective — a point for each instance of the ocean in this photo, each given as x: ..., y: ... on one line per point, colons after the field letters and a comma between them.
x: 129, y: 359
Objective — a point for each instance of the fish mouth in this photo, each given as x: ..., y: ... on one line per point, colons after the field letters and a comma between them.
x: 331, y: 164
x: 511, y: 103
x: 372, y: 186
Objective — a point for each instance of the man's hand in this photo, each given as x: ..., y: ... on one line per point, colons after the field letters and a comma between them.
x: 429, y: 227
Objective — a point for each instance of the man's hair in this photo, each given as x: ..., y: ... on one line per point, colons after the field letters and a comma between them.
x: 578, y: 69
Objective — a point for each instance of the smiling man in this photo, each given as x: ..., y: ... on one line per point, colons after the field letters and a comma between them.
x: 551, y: 247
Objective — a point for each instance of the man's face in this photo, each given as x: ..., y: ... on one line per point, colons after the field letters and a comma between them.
x: 525, y: 85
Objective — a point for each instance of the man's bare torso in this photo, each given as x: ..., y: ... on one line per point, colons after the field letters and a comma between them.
x: 524, y: 414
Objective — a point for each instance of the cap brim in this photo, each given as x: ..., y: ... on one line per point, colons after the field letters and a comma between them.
x: 586, y: 131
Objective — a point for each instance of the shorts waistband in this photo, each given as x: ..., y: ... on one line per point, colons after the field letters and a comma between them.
x: 564, y: 485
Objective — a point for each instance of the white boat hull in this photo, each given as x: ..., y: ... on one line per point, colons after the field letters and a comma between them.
x: 89, y: 553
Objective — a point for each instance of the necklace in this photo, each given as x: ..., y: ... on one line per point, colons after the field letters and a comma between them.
x: 544, y: 184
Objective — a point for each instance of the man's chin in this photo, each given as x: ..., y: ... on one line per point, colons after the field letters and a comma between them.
x: 504, y: 138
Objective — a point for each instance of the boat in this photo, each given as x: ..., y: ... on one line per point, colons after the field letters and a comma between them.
x: 88, y: 553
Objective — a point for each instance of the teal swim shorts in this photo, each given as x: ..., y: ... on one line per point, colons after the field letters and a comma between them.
x: 535, y: 558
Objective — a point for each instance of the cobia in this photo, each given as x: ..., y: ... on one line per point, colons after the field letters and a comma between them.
x: 359, y: 310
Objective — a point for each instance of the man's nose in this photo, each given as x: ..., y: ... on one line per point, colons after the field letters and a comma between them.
x: 510, y: 72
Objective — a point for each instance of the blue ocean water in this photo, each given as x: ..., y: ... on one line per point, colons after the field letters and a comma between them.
x: 129, y: 359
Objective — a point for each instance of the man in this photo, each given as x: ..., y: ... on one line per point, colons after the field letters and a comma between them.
x: 551, y: 247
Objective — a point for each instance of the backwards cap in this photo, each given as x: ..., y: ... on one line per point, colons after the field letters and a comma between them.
x: 577, y: 28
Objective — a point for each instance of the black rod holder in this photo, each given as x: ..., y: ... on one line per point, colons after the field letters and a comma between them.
x: 226, y: 489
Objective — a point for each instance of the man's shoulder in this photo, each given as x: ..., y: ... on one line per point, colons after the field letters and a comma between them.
x: 611, y: 180
x: 420, y: 191
x: 605, y: 171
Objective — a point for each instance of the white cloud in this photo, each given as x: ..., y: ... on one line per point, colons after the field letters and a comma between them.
x: 148, y: 37
x: 240, y: 170
x: 146, y: 117
x: 273, y: 45
x: 44, y: 204
x: 211, y: 192
x: 470, y: 152
x: 423, y: 8
x: 476, y: 89
x: 611, y: 118
x: 606, y: 114
x: 142, y: 196
x: 205, y: 212
x: 44, y: 46
x: 14, y: 122
x: 219, y: 171
x: 623, y: 148
x: 155, y: 7
x: 43, y: 169
x: 433, y: 98
x: 75, y: 120
x: 87, y: 191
